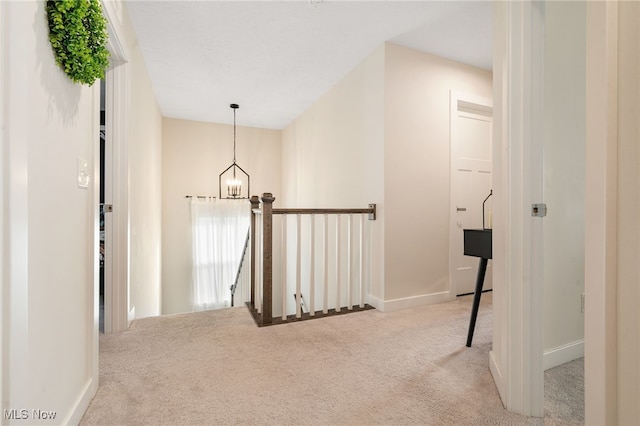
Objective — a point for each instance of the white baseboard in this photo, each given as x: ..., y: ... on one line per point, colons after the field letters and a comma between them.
x: 563, y: 354
x: 81, y: 404
x: 132, y: 316
x: 497, y: 375
x: 410, y: 302
x: 376, y: 303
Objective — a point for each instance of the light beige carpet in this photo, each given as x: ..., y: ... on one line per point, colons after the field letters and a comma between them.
x: 217, y: 367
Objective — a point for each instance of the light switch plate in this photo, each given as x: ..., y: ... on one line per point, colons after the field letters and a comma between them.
x: 83, y: 173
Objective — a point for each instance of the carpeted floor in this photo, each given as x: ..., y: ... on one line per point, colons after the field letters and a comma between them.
x: 564, y: 394
x: 407, y: 367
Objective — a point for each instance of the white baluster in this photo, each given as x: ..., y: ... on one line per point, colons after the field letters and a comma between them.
x: 338, y: 263
x: 284, y: 267
x: 312, y: 256
x: 298, y: 261
x: 361, y: 282
x: 349, y: 254
x: 247, y: 278
x: 325, y: 260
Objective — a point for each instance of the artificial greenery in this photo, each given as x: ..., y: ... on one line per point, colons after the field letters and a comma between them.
x: 78, y: 35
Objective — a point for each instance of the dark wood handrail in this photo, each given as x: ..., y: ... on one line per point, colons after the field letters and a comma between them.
x: 244, y: 254
x: 371, y: 211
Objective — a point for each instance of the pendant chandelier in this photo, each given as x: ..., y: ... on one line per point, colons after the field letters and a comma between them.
x: 235, y: 177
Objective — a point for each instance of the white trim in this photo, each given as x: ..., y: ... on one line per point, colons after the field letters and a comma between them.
x: 469, y: 101
x: 563, y: 354
x: 499, y: 349
x: 494, y: 368
x: 4, y: 333
x: 81, y: 403
x: 15, y: 344
x: 117, y: 110
x: 118, y: 50
x: 376, y: 302
x: 533, y: 172
x: 411, y: 302
x: 117, y: 288
x: 131, y: 316
x: 91, y: 388
x: 601, y: 214
x: 517, y: 237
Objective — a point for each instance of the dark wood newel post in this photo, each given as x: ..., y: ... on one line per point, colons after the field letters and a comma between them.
x: 267, y: 256
x: 255, y: 203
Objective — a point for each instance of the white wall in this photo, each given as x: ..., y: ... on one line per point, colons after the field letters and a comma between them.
x: 50, y: 238
x: 145, y: 191
x: 516, y: 356
x: 628, y: 245
x: 381, y: 135
x: 612, y: 273
x: 417, y: 88
x: 50, y: 245
x: 332, y: 154
x: 134, y: 142
x: 612, y: 208
x: 600, y: 361
x: 193, y: 155
x: 564, y: 180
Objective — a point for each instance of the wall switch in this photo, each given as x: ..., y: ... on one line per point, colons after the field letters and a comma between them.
x: 83, y: 173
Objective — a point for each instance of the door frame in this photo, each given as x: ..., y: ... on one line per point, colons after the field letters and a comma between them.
x: 14, y: 130
x: 483, y: 105
x: 516, y: 358
x: 116, y: 283
x: 601, y: 215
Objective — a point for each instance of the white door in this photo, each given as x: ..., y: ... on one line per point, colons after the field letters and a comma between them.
x: 470, y: 132
x: 117, y: 315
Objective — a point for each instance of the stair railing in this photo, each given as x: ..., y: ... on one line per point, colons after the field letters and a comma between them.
x: 354, y: 292
x: 241, y: 270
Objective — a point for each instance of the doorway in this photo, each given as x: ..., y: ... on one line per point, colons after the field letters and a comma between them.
x: 563, y: 161
x: 470, y: 147
x: 534, y: 131
x: 116, y: 177
x: 103, y: 231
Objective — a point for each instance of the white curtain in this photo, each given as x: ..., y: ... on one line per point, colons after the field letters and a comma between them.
x: 219, y: 230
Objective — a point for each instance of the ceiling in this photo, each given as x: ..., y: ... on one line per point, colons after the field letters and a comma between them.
x: 276, y: 58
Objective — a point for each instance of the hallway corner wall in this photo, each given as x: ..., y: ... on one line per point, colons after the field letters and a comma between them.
x: 50, y: 228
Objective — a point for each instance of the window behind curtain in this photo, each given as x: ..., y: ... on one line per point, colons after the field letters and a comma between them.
x: 219, y: 230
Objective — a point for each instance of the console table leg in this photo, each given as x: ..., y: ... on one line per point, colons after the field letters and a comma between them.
x: 482, y: 269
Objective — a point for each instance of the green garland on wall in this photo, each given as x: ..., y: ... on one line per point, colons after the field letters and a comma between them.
x: 78, y: 35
